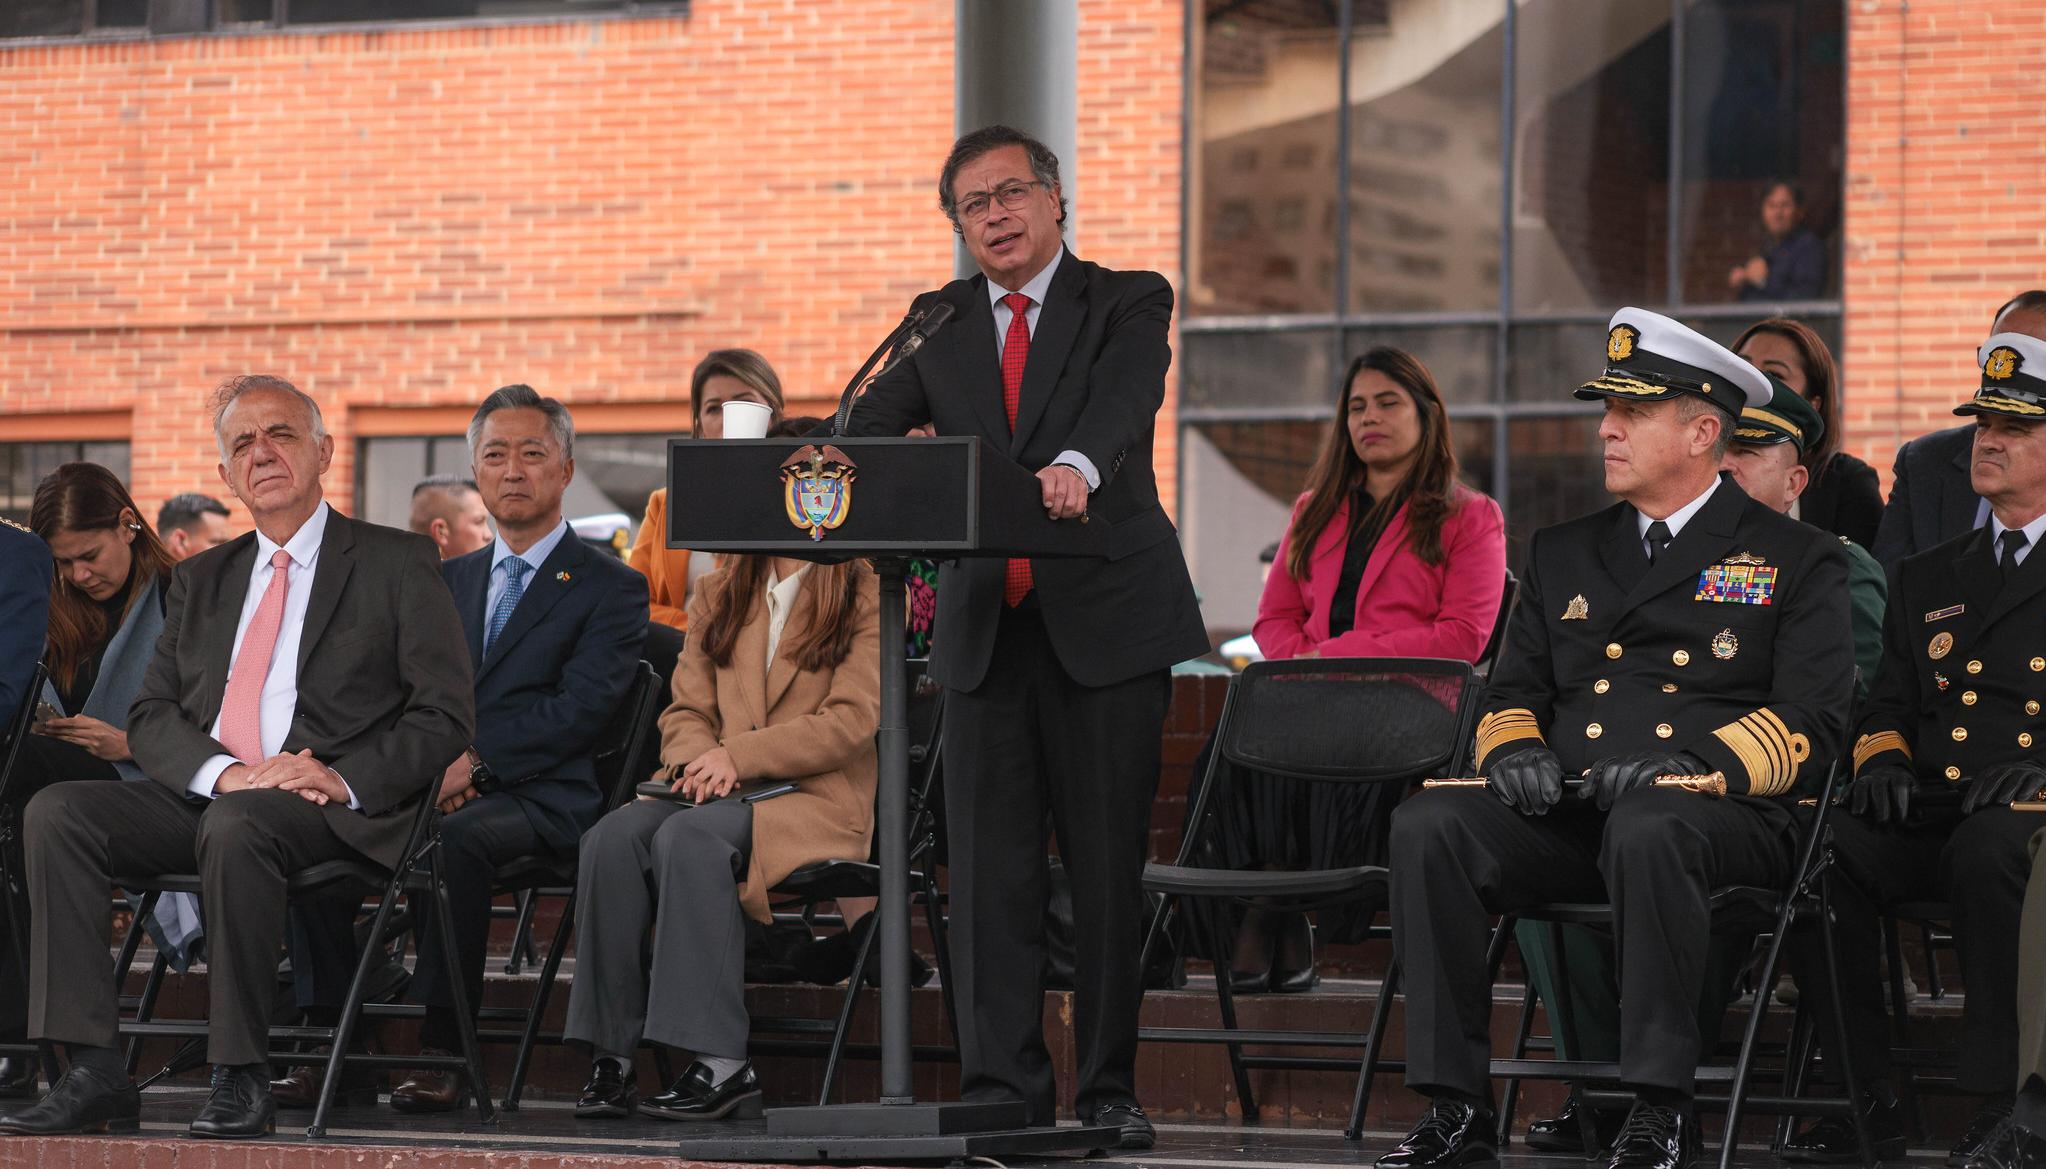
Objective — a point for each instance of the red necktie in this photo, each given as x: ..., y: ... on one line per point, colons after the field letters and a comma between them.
x: 241, y: 708
x: 1015, y: 353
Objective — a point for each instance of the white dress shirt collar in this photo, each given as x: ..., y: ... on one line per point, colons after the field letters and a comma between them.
x: 781, y: 602
x: 1035, y: 289
x: 2033, y: 531
x: 534, y: 556
x: 1678, y: 518
x: 303, y: 545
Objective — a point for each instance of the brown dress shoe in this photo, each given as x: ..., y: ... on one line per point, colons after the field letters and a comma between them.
x: 300, y: 1087
x: 431, y: 1090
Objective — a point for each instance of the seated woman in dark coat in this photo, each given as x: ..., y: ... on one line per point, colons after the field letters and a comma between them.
x: 1844, y: 497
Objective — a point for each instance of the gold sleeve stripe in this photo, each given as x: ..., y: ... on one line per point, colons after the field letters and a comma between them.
x: 1505, y: 726
x: 1868, y: 747
x: 1767, y: 750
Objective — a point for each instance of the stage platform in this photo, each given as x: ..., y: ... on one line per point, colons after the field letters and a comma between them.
x: 546, y: 1135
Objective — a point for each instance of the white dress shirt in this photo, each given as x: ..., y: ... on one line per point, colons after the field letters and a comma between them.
x: 1676, y: 519
x: 781, y: 601
x: 2032, y: 531
x: 280, y: 686
x: 534, y: 557
x: 1035, y: 289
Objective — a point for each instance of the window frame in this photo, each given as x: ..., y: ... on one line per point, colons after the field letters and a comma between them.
x: 197, y: 17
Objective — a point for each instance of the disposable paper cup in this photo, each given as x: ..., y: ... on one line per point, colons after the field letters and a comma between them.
x: 746, y: 420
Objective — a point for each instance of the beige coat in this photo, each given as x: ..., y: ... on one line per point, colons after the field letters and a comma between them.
x: 815, y: 727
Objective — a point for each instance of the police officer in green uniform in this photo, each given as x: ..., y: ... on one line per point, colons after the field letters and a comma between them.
x: 1768, y: 444
x: 1686, y: 630
x: 1957, y: 710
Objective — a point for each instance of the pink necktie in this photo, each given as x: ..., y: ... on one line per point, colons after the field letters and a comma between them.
x: 1016, y: 581
x: 241, y: 710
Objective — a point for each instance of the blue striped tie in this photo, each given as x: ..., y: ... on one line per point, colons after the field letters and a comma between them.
x: 514, y: 588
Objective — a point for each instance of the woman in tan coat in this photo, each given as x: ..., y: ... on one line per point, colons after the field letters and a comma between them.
x: 779, y: 682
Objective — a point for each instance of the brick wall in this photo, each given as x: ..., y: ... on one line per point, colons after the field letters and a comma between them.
x: 1946, y: 116
x: 413, y: 217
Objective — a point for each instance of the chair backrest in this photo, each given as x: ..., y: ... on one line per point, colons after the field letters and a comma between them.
x: 17, y: 731
x: 1507, y: 599
x: 1357, y: 719
x: 623, y: 750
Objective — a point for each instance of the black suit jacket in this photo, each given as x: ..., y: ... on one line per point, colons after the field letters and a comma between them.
x: 1846, y: 499
x: 1094, y: 382
x: 1931, y: 498
x: 24, y: 613
x: 554, y: 677
x: 384, y: 694
x: 1964, y: 665
x: 1649, y: 662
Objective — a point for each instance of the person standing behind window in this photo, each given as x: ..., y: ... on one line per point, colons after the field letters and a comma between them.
x: 1386, y: 555
x: 1791, y: 263
x: 724, y: 375
x: 1844, y: 497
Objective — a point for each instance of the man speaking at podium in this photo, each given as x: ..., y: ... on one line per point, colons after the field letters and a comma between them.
x: 1055, y: 669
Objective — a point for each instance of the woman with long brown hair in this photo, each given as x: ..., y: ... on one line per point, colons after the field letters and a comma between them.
x: 106, y: 610
x: 778, y: 686
x: 1844, y: 497
x: 1387, y: 555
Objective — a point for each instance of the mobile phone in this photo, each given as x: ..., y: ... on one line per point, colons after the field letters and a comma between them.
x: 45, y: 712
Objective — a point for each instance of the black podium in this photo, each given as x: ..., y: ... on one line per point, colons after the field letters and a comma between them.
x: 831, y: 499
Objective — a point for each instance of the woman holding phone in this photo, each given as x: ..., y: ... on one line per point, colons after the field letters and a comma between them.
x: 779, y: 683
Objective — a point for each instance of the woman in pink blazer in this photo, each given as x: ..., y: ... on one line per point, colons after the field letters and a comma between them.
x: 1387, y: 555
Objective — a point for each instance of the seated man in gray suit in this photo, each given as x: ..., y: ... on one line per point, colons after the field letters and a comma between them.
x: 553, y: 629
x: 308, y: 690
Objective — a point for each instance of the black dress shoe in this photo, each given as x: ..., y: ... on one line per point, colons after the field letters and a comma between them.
x: 82, y: 1100
x: 1830, y: 1141
x: 1450, y: 1136
x: 1257, y: 947
x: 1988, y: 1119
x: 1137, y: 1132
x: 2013, y: 1146
x: 1656, y: 1138
x: 1293, y: 963
x: 613, y: 1091
x: 694, y: 1097
x: 17, y: 1078
x: 1564, y: 1132
x: 240, y: 1107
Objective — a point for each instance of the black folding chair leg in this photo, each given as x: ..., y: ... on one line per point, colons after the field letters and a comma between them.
x: 1743, y: 1066
x: 941, y: 948
x: 846, y: 1007
x: 523, y: 1062
x: 1849, y: 1082
x: 522, y: 934
x: 351, y: 1014
x: 1510, y: 1101
x: 1935, y: 989
x: 145, y: 1007
x: 1797, y: 1066
x: 1225, y: 997
x: 1380, y: 1016
x: 464, y: 1011
x: 133, y: 941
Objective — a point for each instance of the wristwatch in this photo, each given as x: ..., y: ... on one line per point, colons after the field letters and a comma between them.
x: 481, y: 777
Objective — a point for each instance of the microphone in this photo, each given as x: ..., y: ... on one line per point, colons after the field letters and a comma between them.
x: 920, y: 327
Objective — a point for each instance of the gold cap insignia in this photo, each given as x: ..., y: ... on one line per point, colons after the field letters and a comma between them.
x: 1620, y: 342
x: 15, y: 526
x: 1747, y: 558
x: 1577, y: 609
x: 2002, y: 364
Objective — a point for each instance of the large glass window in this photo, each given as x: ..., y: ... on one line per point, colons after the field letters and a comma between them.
x: 24, y: 464
x: 1481, y: 183
x: 65, y: 18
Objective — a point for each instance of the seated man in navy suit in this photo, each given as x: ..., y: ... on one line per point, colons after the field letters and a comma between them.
x: 554, y: 629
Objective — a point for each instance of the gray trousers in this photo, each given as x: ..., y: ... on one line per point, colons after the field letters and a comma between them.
x: 244, y: 845
x: 660, y: 940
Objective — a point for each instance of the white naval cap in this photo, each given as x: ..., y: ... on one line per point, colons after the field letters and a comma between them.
x: 1651, y: 358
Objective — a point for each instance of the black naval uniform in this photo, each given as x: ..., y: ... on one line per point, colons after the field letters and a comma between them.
x: 1960, y: 691
x: 1734, y: 647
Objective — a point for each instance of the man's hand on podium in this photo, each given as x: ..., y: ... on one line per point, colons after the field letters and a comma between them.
x: 1065, y: 491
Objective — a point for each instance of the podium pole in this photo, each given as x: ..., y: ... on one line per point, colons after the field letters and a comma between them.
x: 893, y: 809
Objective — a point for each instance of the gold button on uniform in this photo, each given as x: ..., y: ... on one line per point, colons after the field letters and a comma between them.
x: 1967, y: 698
x: 1663, y: 730
x: 1953, y: 773
x: 2038, y: 664
x: 1682, y: 657
x: 1975, y: 667
x: 1593, y: 731
x: 1601, y: 686
x: 1612, y: 649
x: 2032, y: 707
x: 2024, y: 738
x: 1669, y: 687
x: 1960, y: 734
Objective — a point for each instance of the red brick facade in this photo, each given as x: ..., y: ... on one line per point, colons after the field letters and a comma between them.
x: 399, y: 219
x: 1946, y: 167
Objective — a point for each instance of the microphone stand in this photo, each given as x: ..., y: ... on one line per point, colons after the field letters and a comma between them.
x: 845, y: 399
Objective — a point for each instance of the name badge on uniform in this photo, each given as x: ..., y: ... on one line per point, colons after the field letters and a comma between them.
x: 1949, y: 611
x: 1738, y: 584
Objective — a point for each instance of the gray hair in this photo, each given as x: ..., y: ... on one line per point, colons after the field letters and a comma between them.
x: 230, y: 391
x: 525, y: 397
x: 1044, y: 165
x: 1690, y: 406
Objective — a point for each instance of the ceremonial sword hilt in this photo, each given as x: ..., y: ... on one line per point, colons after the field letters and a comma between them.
x: 1711, y: 783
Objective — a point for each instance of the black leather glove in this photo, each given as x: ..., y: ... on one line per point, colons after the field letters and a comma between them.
x: 1882, y: 793
x: 1529, y: 780
x: 2004, y: 783
x: 1616, y: 774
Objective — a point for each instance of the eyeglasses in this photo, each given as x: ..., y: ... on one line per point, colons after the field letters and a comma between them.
x: 1011, y: 196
